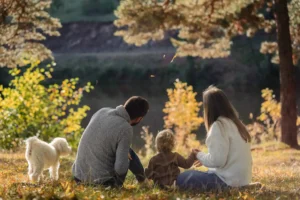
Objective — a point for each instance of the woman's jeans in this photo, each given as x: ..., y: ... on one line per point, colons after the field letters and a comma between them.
x: 135, y: 166
x: 197, y: 180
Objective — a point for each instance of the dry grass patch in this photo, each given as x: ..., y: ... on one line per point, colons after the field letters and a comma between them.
x: 278, y: 171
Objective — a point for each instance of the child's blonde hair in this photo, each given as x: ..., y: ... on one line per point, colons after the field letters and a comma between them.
x: 165, y: 141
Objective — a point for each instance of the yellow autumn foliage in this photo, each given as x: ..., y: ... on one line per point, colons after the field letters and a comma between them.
x: 148, y: 150
x: 182, y: 115
x: 28, y: 107
x: 267, y: 127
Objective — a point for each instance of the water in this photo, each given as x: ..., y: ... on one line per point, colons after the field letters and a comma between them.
x: 105, y: 96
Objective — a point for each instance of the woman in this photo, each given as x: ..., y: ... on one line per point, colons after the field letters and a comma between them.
x: 229, y: 157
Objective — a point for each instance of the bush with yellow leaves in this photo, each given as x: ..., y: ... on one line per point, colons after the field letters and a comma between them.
x: 182, y: 115
x: 267, y: 128
x: 28, y: 108
x: 148, y: 151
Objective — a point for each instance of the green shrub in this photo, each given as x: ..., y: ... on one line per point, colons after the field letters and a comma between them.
x: 29, y: 108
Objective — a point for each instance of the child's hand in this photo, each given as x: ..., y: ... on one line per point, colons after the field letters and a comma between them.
x: 196, y: 151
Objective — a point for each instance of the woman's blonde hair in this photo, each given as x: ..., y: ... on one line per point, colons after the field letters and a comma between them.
x: 165, y: 141
x: 216, y: 104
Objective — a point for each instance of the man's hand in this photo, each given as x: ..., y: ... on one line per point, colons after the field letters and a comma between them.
x: 129, y: 156
x: 147, y: 184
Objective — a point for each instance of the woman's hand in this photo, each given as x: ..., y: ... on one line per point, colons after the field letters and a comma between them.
x: 197, y: 163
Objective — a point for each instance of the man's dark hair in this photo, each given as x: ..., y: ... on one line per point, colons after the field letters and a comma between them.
x: 136, y: 107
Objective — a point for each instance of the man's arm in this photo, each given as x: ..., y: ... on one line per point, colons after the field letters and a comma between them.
x: 122, y: 162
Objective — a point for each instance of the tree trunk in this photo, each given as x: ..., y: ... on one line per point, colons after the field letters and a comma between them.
x: 287, y: 76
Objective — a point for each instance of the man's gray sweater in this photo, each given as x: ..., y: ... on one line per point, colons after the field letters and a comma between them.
x: 104, y: 146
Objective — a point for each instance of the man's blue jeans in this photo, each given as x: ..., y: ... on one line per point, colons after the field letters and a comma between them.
x: 135, y: 166
x: 197, y: 180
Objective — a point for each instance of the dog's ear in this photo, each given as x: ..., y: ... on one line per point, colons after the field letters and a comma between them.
x: 61, y: 147
x: 57, y: 145
x: 64, y: 147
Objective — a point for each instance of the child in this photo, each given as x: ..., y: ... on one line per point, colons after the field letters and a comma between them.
x: 163, y: 168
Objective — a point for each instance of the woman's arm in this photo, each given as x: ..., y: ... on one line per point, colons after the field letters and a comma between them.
x: 218, y: 147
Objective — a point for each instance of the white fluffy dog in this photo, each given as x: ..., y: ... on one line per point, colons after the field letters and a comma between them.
x: 41, y: 155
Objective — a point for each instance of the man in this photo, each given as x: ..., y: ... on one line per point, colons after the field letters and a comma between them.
x: 104, y: 155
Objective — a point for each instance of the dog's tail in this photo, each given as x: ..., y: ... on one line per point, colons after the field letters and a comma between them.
x: 29, y: 142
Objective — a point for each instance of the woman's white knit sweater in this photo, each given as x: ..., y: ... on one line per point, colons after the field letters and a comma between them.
x: 229, y: 156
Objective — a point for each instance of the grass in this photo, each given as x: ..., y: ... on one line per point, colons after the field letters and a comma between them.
x: 277, y: 170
